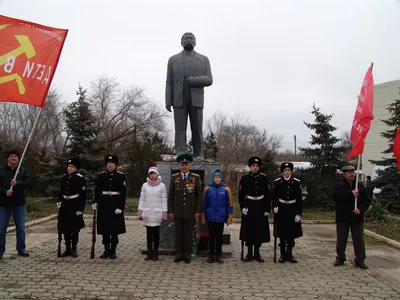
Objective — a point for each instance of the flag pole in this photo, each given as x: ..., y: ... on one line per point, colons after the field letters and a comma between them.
x: 358, y: 170
x: 27, y: 143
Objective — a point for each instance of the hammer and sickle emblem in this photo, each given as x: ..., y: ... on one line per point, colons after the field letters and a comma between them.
x: 25, y: 47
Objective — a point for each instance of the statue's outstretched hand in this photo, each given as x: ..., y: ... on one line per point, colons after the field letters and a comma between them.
x: 168, y: 107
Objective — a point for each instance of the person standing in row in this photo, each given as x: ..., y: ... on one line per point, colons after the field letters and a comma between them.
x: 153, y: 210
x: 217, y: 209
x: 110, y: 198
x: 287, y: 210
x: 255, y: 207
x: 71, y: 204
x: 13, y: 201
x: 349, y: 217
x: 184, y: 205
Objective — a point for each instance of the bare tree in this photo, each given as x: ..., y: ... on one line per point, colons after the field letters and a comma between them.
x: 16, y: 122
x: 123, y: 114
x: 238, y: 139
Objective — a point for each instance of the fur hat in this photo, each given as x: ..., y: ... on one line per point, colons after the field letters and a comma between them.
x: 111, y: 158
x: 254, y: 160
x: 286, y: 165
x: 74, y: 161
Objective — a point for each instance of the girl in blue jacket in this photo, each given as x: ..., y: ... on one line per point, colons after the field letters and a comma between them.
x: 216, y: 210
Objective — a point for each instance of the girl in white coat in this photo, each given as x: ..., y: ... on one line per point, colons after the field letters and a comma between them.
x: 153, y: 210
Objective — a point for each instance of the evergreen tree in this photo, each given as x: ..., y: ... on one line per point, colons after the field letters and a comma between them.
x: 81, y: 134
x: 325, y: 155
x: 145, y: 150
x: 210, y: 147
x: 388, y: 179
x: 81, y: 129
x: 270, y: 167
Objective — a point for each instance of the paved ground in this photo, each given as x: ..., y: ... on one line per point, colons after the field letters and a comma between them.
x: 44, y: 276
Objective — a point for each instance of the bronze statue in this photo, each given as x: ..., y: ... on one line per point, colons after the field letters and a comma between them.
x: 188, y: 72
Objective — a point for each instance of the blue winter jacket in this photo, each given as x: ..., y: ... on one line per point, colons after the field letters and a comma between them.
x: 217, y: 204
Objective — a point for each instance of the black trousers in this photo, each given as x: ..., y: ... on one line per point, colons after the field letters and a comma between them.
x: 110, y: 239
x: 215, y: 237
x: 71, y: 237
x: 357, y: 234
x: 287, y: 243
x: 153, y: 236
x: 183, y: 237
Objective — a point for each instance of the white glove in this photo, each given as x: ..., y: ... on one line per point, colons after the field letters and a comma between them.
x: 276, y: 209
x: 297, y: 218
x: 118, y: 211
x: 94, y: 206
x: 58, y: 205
x: 79, y: 213
x: 245, y: 211
x: 266, y: 214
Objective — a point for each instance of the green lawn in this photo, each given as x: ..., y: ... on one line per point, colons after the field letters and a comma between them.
x: 389, y: 228
x: 37, y: 208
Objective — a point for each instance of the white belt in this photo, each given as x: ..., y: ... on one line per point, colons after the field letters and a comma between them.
x: 70, y: 197
x: 110, y: 193
x: 255, y: 198
x: 287, y: 201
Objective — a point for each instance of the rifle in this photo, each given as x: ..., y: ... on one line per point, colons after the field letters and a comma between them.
x: 93, y: 232
x: 242, y: 242
x: 59, y: 235
x: 275, y: 234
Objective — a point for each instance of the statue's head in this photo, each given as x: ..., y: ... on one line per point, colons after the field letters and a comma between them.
x: 188, y: 41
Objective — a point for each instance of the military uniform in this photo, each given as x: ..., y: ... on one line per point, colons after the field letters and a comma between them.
x: 110, y: 195
x: 288, y: 205
x: 72, y: 200
x: 255, y: 206
x: 184, y: 201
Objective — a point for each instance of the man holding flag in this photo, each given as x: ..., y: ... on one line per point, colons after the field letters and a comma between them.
x: 29, y: 54
x: 351, y: 198
x: 348, y: 218
x: 13, y: 201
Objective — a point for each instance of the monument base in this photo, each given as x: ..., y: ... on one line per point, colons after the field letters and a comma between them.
x: 202, y: 248
x: 167, y: 230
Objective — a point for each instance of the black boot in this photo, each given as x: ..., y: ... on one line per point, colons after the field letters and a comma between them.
x: 249, y: 256
x: 211, y: 258
x: 149, y: 255
x: 289, y: 256
x: 282, y: 259
x: 113, y: 249
x: 106, y: 252
x: 155, y: 253
x: 67, y: 251
x: 74, y: 244
x: 257, y: 255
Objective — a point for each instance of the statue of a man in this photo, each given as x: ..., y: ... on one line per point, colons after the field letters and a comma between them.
x: 188, y: 72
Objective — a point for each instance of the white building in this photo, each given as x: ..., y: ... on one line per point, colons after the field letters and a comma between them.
x: 384, y: 94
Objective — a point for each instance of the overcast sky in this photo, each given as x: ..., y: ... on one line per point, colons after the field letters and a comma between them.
x: 270, y: 59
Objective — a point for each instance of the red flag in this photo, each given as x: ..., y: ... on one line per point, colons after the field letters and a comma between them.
x: 396, y: 148
x: 29, y: 55
x: 363, y: 115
